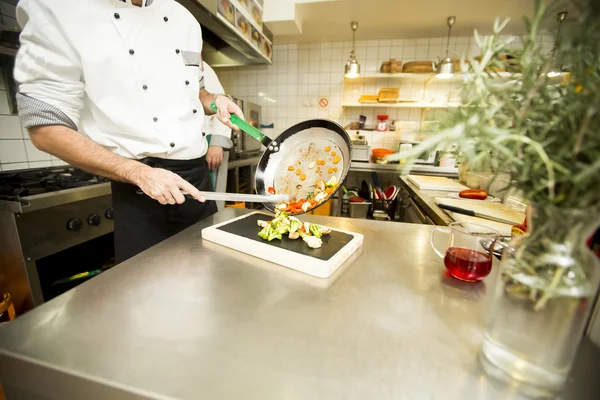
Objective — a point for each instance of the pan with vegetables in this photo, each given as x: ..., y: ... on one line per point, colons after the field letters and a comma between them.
x: 306, y: 162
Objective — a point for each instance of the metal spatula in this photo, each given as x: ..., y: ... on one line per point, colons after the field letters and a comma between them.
x: 249, y: 198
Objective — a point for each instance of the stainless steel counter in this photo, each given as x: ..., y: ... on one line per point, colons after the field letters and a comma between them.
x: 189, y: 320
x: 416, y: 169
x: 426, y: 200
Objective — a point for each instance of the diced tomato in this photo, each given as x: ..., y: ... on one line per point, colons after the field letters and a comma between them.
x: 271, y: 190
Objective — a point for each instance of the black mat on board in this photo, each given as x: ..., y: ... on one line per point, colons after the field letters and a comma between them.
x: 247, y: 227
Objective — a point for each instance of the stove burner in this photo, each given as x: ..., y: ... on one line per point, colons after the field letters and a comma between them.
x: 44, y: 180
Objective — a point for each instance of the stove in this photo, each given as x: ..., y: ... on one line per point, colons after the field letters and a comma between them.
x: 27, y: 183
x: 54, y: 223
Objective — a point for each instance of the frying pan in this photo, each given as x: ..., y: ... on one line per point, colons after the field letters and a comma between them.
x: 300, y: 147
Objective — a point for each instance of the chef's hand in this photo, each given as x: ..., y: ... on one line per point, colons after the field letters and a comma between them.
x: 225, y: 107
x: 214, y: 157
x: 165, y: 186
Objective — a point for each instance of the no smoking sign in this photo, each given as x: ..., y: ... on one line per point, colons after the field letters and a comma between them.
x: 323, y: 102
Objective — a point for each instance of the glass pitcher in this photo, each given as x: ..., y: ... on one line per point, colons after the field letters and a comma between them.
x: 465, y: 255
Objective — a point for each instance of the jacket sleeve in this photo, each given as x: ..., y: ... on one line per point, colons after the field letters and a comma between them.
x: 220, y: 134
x: 47, y: 70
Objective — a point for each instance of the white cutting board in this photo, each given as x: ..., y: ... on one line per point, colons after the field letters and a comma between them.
x: 436, y: 183
x: 290, y: 259
x: 494, y: 209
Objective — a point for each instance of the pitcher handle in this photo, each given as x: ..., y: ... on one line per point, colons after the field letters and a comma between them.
x: 445, y: 230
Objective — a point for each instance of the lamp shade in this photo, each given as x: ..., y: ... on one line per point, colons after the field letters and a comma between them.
x: 352, y: 68
x: 445, y: 69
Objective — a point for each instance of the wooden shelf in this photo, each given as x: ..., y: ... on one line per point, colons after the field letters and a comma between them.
x: 398, y: 105
x: 427, y: 77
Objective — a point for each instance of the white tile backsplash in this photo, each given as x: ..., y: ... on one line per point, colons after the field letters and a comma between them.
x: 4, y: 109
x: 304, y: 73
x: 14, y: 166
x: 12, y: 151
x: 10, y: 127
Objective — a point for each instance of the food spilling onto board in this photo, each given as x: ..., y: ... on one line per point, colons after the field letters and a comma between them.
x: 321, y: 192
x: 316, y: 164
x: 285, y: 224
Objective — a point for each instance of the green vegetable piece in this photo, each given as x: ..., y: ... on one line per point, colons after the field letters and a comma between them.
x: 295, y: 225
x: 332, y: 182
x: 315, y: 230
x: 265, y: 232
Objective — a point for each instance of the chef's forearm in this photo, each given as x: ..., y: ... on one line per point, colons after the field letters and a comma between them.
x: 78, y: 150
x: 206, y: 98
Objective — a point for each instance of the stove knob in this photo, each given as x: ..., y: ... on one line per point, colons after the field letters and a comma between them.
x: 109, y: 214
x: 94, y: 219
x: 75, y: 225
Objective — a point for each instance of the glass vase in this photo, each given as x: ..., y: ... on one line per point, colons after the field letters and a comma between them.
x: 548, y: 283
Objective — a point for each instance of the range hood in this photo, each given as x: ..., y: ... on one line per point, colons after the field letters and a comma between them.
x: 222, y: 45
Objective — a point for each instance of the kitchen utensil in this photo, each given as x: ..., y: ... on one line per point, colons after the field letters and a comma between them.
x: 485, y: 207
x: 299, y: 147
x: 241, y: 234
x: 499, y: 246
x: 436, y: 183
x: 381, y: 153
x: 382, y: 125
x: 474, y: 214
x: 489, y: 198
x: 359, y: 210
x: 462, y: 255
x: 390, y: 192
x: 239, y: 197
x: 360, y: 153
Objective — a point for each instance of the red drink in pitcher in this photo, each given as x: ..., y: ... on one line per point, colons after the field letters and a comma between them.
x: 466, y: 264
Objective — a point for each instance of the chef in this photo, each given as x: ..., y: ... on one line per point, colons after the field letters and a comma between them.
x: 115, y: 87
x: 218, y: 134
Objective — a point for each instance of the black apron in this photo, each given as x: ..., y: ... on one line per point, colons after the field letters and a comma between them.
x: 141, y: 222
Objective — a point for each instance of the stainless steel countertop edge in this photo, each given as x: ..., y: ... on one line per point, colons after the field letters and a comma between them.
x: 68, y: 371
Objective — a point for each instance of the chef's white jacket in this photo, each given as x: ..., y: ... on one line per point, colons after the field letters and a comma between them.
x: 127, y: 77
x: 212, y: 125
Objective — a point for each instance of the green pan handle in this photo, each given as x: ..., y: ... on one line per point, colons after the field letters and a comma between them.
x: 246, y: 127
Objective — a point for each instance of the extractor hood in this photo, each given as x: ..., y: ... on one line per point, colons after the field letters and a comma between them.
x: 223, y: 45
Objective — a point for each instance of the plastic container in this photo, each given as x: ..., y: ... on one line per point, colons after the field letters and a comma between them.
x: 359, y: 210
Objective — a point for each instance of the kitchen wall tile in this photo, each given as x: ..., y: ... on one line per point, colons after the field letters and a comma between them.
x: 361, y: 54
x: 4, y: 109
x: 40, y: 164
x: 384, y: 52
x: 10, y: 127
x: 34, y: 154
x: 8, y: 10
x: 12, y: 151
x: 422, y: 52
x: 13, y: 166
x: 58, y: 163
x: 409, y: 53
x: 296, y: 85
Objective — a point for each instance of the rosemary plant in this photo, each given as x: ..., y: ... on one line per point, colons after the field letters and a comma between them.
x: 543, y: 131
